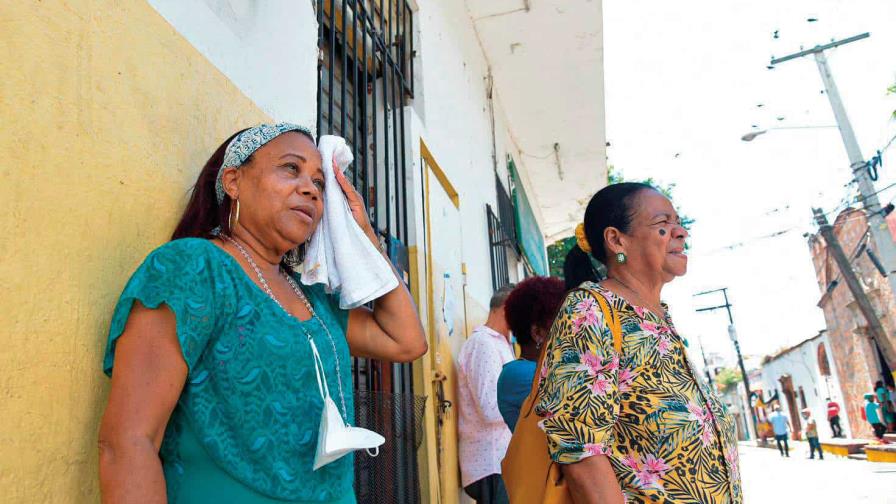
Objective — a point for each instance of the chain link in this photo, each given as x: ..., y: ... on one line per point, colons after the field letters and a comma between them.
x: 295, y: 287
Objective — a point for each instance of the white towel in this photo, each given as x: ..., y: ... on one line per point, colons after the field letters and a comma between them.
x: 340, y: 255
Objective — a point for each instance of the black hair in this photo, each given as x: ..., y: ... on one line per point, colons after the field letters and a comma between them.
x: 579, y: 267
x: 612, y: 206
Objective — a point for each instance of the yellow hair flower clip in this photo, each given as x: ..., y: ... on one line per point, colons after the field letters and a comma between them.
x: 581, y: 239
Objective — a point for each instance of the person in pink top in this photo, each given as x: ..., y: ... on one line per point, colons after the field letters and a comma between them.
x: 483, y: 435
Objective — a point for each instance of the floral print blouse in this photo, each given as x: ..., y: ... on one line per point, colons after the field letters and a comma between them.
x: 668, y: 437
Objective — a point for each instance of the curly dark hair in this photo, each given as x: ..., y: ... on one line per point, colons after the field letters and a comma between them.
x: 533, y: 303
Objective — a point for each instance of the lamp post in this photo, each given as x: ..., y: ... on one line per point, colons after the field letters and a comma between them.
x: 880, y: 234
x: 732, y: 333
x: 749, y: 137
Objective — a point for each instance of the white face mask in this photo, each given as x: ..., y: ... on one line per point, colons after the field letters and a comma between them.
x: 335, y: 438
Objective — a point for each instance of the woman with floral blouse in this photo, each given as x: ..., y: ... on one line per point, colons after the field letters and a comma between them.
x: 638, y: 425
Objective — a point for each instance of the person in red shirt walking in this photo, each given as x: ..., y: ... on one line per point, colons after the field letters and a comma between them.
x: 834, y: 418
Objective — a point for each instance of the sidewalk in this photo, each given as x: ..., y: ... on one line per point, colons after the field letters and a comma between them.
x: 769, y: 478
x: 857, y: 453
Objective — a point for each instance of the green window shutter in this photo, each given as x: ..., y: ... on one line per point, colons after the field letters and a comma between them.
x: 529, y: 236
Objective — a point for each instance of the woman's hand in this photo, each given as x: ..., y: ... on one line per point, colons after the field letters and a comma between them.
x: 356, y: 205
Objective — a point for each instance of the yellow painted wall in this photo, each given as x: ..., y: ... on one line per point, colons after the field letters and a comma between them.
x: 440, y: 457
x: 107, y: 116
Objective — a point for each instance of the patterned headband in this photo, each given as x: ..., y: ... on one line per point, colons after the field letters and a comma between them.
x: 243, y: 145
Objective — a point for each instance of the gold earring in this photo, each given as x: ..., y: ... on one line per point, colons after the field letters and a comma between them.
x: 231, y: 221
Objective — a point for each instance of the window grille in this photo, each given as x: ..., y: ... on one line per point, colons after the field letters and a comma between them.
x: 500, y: 244
x: 365, y: 71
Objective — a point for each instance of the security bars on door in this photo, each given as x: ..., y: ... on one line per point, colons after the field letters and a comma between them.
x: 364, y: 82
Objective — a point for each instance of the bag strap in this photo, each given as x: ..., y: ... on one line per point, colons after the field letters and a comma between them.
x: 611, y: 317
x: 613, y: 322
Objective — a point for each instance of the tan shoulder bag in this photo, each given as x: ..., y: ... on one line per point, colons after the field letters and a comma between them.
x: 529, y: 474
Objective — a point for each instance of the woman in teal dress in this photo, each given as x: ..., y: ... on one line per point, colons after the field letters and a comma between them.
x: 214, y: 396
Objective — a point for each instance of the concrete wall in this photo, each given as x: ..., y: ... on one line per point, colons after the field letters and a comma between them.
x: 108, y: 112
x: 801, y: 363
x: 267, y: 49
x: 456, y: 126
x: 851, y: 350
x: 451, y: 113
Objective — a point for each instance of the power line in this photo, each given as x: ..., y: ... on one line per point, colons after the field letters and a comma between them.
x: 860, y: 199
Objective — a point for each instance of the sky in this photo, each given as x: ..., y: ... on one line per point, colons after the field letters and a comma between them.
x: 684, y: 81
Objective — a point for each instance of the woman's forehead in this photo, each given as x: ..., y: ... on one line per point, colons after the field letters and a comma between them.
x: 652, y: 204
x: 293, y: 144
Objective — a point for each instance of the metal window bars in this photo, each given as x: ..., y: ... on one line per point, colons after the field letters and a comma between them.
x: 505, y: 211
x: 500, y: 245
x: 365, y: 77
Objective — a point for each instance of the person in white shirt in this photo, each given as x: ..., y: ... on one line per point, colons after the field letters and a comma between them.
x: 483, y: 435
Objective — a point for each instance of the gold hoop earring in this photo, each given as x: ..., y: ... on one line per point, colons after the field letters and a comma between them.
x: 231, y: 221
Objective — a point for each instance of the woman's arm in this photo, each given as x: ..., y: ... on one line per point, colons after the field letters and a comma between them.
x: 147, y: 380
x: 392, y: 330
x: 592, y: 481
x: 579, y: 399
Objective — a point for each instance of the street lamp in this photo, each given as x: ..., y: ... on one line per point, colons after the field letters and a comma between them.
x: 749, y: 137
x: 752, y: 135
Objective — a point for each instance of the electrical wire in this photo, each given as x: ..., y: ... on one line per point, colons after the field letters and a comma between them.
x: 888, y: 144
x: 808, y: 223
x: 860, y: 199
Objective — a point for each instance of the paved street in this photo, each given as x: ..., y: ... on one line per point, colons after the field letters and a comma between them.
x: 769, y: 478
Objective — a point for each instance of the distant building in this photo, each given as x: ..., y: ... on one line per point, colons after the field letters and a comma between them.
x: 734, y: 399
x: 852, y: 353
x: 801, y: 377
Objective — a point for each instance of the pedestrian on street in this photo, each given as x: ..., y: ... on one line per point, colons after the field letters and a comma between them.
x: 530, y: 309
x: 834, y: 418
x: 615, y: 368
x: 781, y: 425
x: 811, y: 433
x: 891, y: 393
x: 874, y: 417
x: 886, y: 407
x: 482, y: 434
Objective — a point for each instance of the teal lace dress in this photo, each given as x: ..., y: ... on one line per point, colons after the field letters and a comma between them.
x: 245, y: 427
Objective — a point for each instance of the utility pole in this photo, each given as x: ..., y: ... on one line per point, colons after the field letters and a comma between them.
x: 883, y: 241
x: 732, y: 333
x: 705, y: 364
x: 875, y: 328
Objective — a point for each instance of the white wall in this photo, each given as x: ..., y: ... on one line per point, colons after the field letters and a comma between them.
x: 267, y: 49
x: 802, y: 364
x: 453, y: 113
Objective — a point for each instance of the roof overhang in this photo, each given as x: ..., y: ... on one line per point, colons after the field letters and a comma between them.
x: 546, y: 58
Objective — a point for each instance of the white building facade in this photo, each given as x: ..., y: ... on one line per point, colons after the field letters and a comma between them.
x: 802, y: 377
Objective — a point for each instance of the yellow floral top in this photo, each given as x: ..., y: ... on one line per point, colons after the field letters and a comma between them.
x: 668, y: 437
